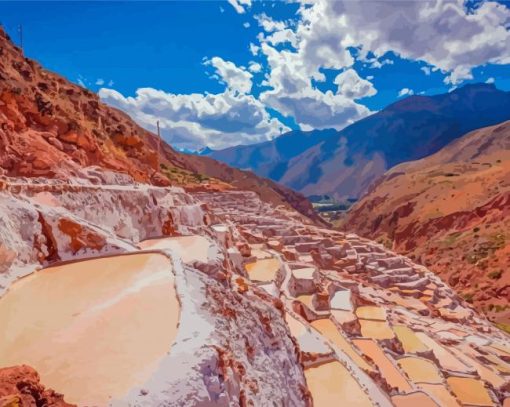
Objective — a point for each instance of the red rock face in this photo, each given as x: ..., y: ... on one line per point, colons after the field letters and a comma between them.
x: 80, y: 237
x: 20, y: 386
x: 451, y: 212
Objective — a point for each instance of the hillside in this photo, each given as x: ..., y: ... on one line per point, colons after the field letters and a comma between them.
x: 343, y: 164
x: 451, y: 212
x: 52, y: 128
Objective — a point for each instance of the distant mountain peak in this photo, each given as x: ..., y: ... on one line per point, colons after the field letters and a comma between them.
x: 345, y: 163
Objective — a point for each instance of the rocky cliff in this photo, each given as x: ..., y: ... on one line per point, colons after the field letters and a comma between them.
x: 451, y: 212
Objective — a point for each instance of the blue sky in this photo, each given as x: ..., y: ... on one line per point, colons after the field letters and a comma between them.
x: 188, y: 50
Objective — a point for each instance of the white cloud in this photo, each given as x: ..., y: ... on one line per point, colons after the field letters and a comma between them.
x: 236, y: 78
x: 405, y: 92
x: 255, y: 67
x: 292, y: 73
x: 490, y: 80
x: 100, y: 82
x: 268, y: 24
x: 198, y: 120
x: 240, y: 5
x: 246, y: 24
x: 352, y: 86
x: 379, y: 63
x: 282, y: 37
x: 254, y: 49
x: 441, y: 33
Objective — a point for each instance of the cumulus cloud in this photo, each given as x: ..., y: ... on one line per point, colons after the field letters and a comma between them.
x: 293, y: 71
x: 255, y: 67
x: 197, y: 120
x: 490, y: 80
x: 254, y: 49
x: 240, y: 5
x: 236, y: 78
x: 442, y: 33
x: 405, y: 92
x: 100, y: 82
x: 268, y: 24
x: 351, y: 85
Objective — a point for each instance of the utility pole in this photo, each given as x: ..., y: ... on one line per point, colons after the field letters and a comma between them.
x: 20, y: 32
x: 159, y: 146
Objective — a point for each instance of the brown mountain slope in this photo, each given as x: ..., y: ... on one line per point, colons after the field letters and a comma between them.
x: 451, y: 212
x: 52, y: 128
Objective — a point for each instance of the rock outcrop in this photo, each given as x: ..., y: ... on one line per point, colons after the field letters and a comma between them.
x: 20, y: 387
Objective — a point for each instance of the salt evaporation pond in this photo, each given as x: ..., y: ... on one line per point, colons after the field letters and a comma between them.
x: 92, y: 329
x: 188, y: 248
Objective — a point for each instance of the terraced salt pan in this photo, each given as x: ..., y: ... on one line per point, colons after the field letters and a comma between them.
x: 417, y: 399
x: 420, y: 370
x: 445, y: 358
x: 470, y: 391
x: 82, y: 324
x: 485, y: 372
x: 410, y: 342
x: 259, y: 253
x: 499, y: 364
x: 502, y: 348
x: 189, y: 248
x: 263, y: 270
x: 371, y: 312
x: 327, y: 328
x: 308, y: 341
x: 440, y: 393
x: 341, y: 300
x: 343, y: 316
x: 331, y: 384
x: 305, y: 273
x: 388, y: 370
x: 375, y: 329
x: 307, y: 300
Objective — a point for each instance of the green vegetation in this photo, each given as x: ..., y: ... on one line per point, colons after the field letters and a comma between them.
x: 180, y: 176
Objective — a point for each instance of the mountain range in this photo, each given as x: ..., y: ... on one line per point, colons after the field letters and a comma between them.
x: 344, y: 163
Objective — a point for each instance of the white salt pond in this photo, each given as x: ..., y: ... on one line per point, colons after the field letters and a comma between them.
x: 189, y: 248
x: 264, y: 270
x: 92, y: 329
x: 331, y: 384
x: 342, y: 300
